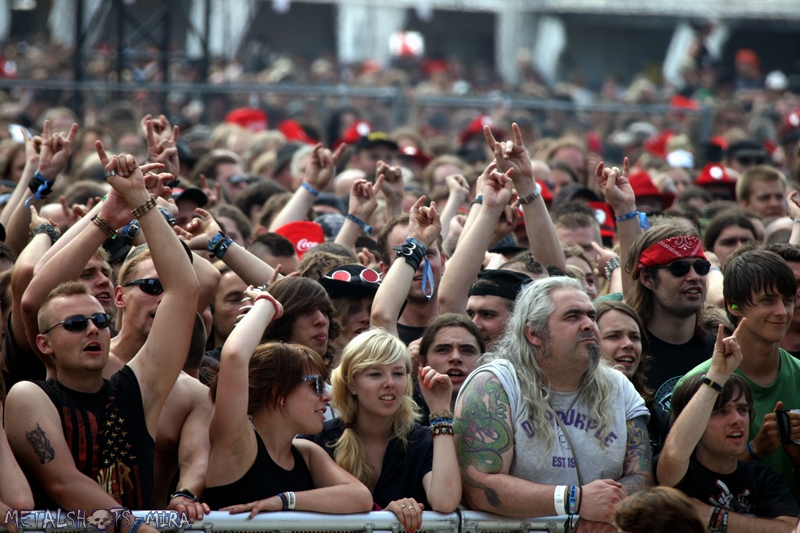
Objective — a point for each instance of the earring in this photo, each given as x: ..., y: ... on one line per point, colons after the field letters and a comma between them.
x: 281, y: 402
x: 734, y: 307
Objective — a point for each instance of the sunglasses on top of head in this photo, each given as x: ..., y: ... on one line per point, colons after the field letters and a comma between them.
x: 80, y: 322
x: 319, y: 383
x: 149, y: 286
x: 680, y: 268
x: 367, y: 276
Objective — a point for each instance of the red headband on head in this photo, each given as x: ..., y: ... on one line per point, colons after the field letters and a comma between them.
x: 668, y: 250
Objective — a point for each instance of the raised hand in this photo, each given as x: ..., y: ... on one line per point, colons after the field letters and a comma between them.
x: 33, y: 149
x: 497, y: 190
x: 202, y: 229
x: 511, y: 155
x: 393, y: 180
x: 55, y: 151
x: 163, y: 149
x: 424, y: 224
x: 214, y: 195
x: 363, y: 199
x: 727, y: 353
x: 793, y: 204
x: 436, y: 389
x: 616, y: 187
x: 458, y: 187
x: 320, y: 169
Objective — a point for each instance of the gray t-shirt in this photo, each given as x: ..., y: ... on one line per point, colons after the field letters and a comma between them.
x: 600, y: 451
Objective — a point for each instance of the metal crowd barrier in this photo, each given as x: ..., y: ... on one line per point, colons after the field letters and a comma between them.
x: 287, y: 522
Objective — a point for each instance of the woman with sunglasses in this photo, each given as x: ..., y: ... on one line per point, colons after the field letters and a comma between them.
x: 407, y: 467
x: 263, y: 396
x: 352, y: 289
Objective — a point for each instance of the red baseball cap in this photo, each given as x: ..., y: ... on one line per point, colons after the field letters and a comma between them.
x: 250, y: 118
x: 476, y: 126
x: 643, y: 186
x: 293, y: 131
x: 304, y: 235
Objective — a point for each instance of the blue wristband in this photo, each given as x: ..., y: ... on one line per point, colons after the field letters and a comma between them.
x: 366, y: 227
x: 643, y: 222
x: 136, y: 523
x: 309, y: 188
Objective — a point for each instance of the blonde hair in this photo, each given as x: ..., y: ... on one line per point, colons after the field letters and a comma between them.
x: 373, y: 347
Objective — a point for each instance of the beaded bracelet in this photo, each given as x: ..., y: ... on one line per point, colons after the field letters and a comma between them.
x: 440, y: 414
x: 612, y: 265
x: 48, y: 230
x: 572, y: 500
x: 144, y: 208
x: 442, y: 429
x: 103, y: 224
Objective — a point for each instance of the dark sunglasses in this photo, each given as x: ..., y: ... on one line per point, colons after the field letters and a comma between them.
x: 149, y: 286
x: 236, y: 180
x: 751, y: 160
x: 80, y: 322
x: 319, y: 384
x: 367, y: 276
x: 681, y: 268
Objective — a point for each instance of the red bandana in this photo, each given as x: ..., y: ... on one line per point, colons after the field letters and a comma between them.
x: 668, y: 250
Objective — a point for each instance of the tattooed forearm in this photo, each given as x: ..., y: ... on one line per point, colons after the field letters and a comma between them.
x: 637, y: 471
x: 483, y: 433
x: 40, y: 444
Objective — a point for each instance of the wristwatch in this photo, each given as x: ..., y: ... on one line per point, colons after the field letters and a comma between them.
x: 183, y: 493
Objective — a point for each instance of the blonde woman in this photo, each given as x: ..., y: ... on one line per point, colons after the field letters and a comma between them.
x: 407, y: 467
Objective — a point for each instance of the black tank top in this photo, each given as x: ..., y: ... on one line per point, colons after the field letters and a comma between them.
x: 263, y: 480
x: 106, y: 432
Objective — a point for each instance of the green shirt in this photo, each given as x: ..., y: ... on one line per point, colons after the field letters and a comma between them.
x: 785, y: 388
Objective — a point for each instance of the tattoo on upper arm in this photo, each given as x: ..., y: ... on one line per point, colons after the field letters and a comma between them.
x: 40, y: 444
x: 637, y: 471
x: 483, y: 434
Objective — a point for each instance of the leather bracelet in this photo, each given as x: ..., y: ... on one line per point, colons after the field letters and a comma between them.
x: 711, y: 383
x: 478, y: 200
x: 412, y: 251
x: 278, y: 307
x: 144, y: 208
x: 46, y: 229
x: 531, y: 196
x: 103, y: 224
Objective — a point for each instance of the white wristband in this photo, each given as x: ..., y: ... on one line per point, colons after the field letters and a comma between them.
x: 558, y: 499
x: 291, y: 499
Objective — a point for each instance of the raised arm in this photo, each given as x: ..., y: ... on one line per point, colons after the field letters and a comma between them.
x: 54, y: 155
x: 459, y: 194
x: 443, y: 483
x: 247, y: 266
x: 424, y: 227
x: 319, y: 173
x: 545, y: 245
x: 363, y: 204
x: 393, y: 188
x: 465, y: 264
x: 693, y: 420
x: 160, y: 360
x: 617, y: 189
x: 229, y: 427
x: 32, y: 151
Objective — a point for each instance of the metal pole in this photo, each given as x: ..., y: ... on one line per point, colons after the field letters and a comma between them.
x: 165, y: 41
x: 77, y: 60
x: 120, y: 36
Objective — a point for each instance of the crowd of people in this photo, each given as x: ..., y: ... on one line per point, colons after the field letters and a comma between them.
x: 247, y: 319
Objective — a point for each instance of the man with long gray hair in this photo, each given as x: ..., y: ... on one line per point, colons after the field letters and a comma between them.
x: 542, y: 428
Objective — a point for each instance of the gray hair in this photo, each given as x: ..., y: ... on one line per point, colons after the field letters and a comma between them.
x: 533, y: 309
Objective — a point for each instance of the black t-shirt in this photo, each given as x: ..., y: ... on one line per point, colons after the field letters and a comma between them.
x: 409, y: 334
x: 669, y: 362
x: 752, y: 489
x: 21, y: 365
x: 403, y: 466
x: 106, y: 432
x: 263, y: 480
x: 657, y: 427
